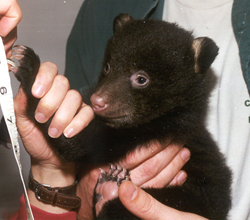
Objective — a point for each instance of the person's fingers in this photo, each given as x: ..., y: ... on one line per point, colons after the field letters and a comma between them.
x: 9, y: 41
x: 179, y: 179
x: 65, y: 113
x: 25, y: 127
x: 20, y: 102
x: 71, y: 117
x: 80, y: 121
x: 146, y: 207
x: 44, y: 79
x: 152, y: 167
x: 11, y: 15
x: 52, y: 99
x: 142, y: 204
x: 140, y: 155
x: 170, y: 174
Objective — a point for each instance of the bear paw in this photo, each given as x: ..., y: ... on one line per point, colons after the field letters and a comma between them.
x: 107, y: 185
x: 25, y: 65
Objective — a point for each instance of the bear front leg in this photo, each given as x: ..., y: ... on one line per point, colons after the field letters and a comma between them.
x: 26, y: 67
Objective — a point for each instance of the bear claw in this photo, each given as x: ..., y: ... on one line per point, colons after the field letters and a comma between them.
x: 116, y: 173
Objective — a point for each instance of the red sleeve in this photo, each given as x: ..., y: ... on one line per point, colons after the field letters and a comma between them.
x: 40, y: 214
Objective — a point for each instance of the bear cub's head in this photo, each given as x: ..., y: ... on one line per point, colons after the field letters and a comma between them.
x: 151, y: 68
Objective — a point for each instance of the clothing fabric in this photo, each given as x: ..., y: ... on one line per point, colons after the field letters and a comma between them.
x: 93, y: 27
x: 40, y: 214
x: 241, y: 25
x: 227, y: 111
x: 228, y: 118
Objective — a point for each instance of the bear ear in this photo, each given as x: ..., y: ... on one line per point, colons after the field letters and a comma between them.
x: 120, y: 20
x: 205, y: 51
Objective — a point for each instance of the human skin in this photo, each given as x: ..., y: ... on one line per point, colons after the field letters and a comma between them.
x: 11, y: 15
x: 156, y: 166
x: 48, y: 168
x: 146, y: 207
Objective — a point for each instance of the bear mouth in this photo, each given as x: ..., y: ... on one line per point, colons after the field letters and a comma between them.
x: 115, y: 121
x: 111, y: 118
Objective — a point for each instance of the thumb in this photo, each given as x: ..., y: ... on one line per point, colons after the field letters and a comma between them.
x: 144, y: 206
x: 140, y: 203
x: 19, y: 105
x: 20, y: 102
x: 24, y: 125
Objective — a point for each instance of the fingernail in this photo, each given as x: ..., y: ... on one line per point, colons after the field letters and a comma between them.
x: 40, y: 117
x: 53, y: 132
x: 69, y: 133
x: 185, y: 154
x: 38, y: 90
x: 130, y: 192
x: 181, y: 178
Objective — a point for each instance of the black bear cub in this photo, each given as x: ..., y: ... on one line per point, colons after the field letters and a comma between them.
x: 154, y: 86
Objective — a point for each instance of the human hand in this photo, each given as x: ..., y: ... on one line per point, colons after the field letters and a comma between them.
x: 144, y: 206
x: 10, y: 16
x: 56, y: 98
x: 157, y: 166
x: 154, y: 166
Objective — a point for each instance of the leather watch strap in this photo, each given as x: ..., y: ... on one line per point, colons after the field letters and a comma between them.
x: 64, y: 197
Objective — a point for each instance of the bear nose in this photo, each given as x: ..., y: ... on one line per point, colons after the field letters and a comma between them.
x: 98, y: 103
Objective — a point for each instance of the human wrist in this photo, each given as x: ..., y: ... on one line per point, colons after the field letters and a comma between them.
x: 53, y: 177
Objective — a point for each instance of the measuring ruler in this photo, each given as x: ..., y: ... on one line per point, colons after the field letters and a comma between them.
x: 7, y: 105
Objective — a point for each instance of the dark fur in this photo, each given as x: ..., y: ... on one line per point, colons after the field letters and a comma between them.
x: 170, y: 107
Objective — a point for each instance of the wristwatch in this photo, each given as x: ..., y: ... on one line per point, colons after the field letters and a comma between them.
x: 64, y: 197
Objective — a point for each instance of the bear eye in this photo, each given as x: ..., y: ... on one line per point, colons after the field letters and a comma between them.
x: 107, y: 69
x: 139, y: 80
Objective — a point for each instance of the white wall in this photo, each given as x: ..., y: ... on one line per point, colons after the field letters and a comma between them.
x: 45, y: 27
